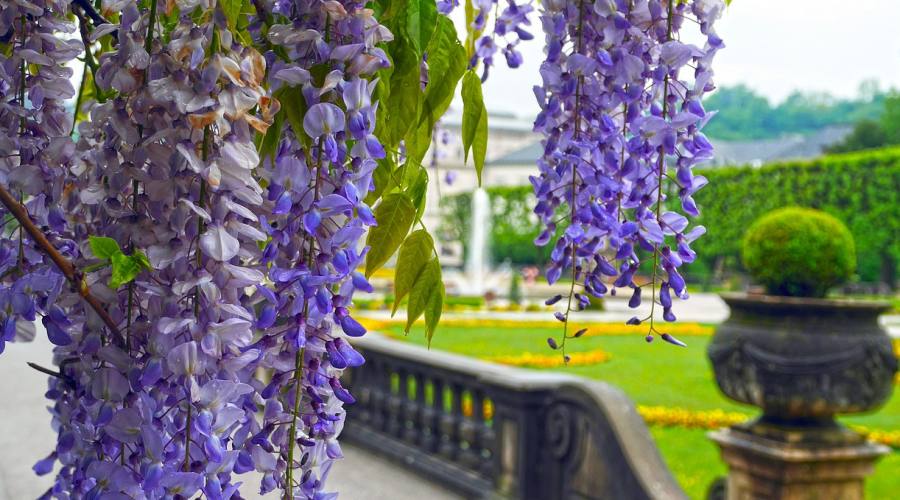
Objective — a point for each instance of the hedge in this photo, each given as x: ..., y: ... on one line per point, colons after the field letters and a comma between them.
x: 861, y: 189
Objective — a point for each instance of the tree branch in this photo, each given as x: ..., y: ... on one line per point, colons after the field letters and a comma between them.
x: 68, y: 380
x: 92, y: 13
x: 72, y: 275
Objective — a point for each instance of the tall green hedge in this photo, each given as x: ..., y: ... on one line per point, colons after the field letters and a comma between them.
x: 861, y: 189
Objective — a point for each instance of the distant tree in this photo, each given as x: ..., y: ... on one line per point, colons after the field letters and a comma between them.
x: 890, y: 119
x: 867, y: 134
x: 870, y: 133
x: 743, y: 114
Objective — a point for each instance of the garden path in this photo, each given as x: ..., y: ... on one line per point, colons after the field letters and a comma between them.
x: 26, y: 437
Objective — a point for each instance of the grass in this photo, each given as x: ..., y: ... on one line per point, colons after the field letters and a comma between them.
x: 656, y: 374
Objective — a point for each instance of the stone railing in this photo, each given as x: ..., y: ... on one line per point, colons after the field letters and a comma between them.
x: 490, y: 431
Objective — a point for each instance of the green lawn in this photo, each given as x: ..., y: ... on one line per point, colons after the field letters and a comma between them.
x: 656, y: 374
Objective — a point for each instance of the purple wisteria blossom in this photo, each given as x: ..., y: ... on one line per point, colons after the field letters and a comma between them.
x: 621, y: 131
x: 214, y: 203
x: 510, y: 28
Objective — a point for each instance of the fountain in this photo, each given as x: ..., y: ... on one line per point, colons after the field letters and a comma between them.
x: 476, y: 260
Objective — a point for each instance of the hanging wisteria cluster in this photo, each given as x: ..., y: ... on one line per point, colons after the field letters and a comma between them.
x: 621, y: 115
x: 193, y: 252
x: 509, y: 30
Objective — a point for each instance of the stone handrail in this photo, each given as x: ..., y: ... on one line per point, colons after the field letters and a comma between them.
x: 490, y: 431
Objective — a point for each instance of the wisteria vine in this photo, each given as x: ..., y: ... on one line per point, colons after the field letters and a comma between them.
x: 192, y: 245
x: 617, y: 120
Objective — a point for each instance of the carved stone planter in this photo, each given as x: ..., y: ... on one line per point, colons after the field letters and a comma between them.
x: 802, y: 361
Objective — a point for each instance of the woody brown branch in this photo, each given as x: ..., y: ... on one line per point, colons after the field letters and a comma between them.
x: 72, y: 275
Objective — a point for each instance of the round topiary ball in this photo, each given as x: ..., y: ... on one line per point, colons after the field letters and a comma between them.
x: 799, y: 252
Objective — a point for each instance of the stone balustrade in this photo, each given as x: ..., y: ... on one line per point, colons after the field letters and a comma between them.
x: 490, y: 431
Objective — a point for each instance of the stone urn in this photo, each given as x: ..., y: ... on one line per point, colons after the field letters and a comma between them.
x: 801, y: 361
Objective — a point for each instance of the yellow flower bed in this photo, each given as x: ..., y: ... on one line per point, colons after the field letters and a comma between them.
x: 680, y: 417
x: 594, y: 329
x: 889, y: 438
x: 714, y: 419
x: 554, y: 360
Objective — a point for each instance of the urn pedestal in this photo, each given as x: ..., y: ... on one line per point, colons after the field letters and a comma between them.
x: 802, y: 361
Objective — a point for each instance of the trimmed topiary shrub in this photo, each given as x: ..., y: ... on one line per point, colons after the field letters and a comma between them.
x: 799, y: 252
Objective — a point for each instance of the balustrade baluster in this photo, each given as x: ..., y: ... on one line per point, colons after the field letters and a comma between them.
x: 431, y: 417
x: 381, y: 385
x: 413, y: 409
x: 450, y: 423
x: 486, y: 436
x: 395, y: 404
x: 470, y: 430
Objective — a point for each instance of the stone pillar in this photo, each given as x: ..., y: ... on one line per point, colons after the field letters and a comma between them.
x: 789, y: 466
x: 802, y: 361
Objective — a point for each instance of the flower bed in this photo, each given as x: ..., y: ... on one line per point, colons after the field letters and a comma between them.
x: 713, y: 419
x: 594, y: 329
x: 554, y: 360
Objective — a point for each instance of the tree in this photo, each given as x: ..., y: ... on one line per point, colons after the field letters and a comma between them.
x: 745, y: 115
x: 866, y: 134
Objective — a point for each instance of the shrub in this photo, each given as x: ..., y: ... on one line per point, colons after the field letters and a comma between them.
x: 799, y: 252
x: 469, y: 301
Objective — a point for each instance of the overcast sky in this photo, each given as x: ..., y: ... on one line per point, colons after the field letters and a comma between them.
x: 773, y: 46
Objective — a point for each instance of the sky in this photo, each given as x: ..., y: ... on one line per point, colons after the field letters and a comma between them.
x: 772, y: 46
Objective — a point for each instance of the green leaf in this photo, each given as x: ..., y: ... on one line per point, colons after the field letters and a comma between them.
x: 395, y: 215
x: 418, y: 188
x: 435, y: 306
x: 417, y: 142
x: 124, y: 269
x: 474, y: 122
x: 446, y: 65
x: 382, y: 178
x: 232, y: 10
x: 269, y: 144
x: 426, y: 296
x: 103, y: 247
x: 141, y: 259
x: 293, y: 108
x: 420, y: 19
x: 415, y: 253
x: 471, y: 33
x: 403, y: 103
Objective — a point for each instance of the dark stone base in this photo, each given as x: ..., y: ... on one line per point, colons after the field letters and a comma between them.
x: 780, y: 462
